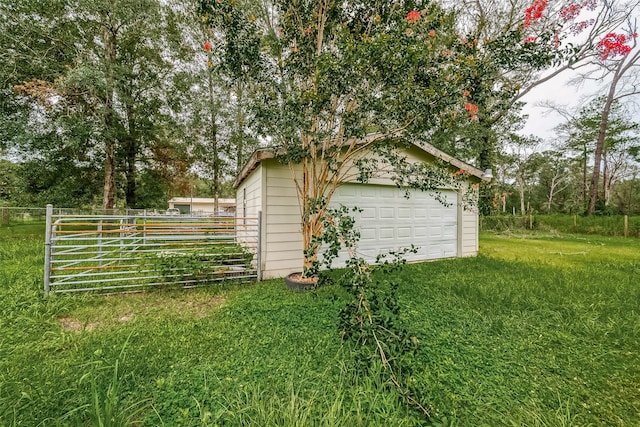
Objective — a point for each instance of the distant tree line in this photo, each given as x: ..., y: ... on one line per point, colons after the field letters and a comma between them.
x: 112, y: 103
x: 129, y: 102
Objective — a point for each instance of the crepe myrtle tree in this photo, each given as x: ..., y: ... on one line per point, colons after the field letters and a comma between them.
x: 344, y: 84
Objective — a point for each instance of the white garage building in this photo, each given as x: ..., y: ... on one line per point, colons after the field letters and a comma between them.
x: 388, y: 219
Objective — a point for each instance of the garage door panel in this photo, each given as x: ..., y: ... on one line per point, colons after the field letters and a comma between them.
x: 349, y: 191
x: 404, y: 233
x: 368, y: 213
x: 449, y: 251
x: 386, y: 234
x: 420, y: 231
x: 387, y: 213
x: 367, y: 233
x: 419, y: 213
x: 368, y: 253
x: 449, y: 234
x: 389, y: 221
x: 366, y: 192
x: 436, y: 214
x: 435, y: 232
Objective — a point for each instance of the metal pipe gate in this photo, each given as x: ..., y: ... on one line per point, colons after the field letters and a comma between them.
x: 131, y: 252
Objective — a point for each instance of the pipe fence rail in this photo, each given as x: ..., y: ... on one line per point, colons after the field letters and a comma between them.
x: 18, y: 215
x: 11, y: 215
x: 111, y: 253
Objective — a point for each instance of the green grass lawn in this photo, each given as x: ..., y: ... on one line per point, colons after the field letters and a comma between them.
x: 537, y: 330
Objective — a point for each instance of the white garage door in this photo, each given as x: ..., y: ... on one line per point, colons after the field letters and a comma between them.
x: 390, y: 221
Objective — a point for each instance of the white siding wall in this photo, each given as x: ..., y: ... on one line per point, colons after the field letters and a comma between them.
x: 249, y: 202
x: 469, y: 233
x: 468, y: 225
x: 283, y: 232
x: 249, y: 198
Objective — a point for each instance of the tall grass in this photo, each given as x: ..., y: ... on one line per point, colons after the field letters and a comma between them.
x: 608, y: 225
x: 539, y: 330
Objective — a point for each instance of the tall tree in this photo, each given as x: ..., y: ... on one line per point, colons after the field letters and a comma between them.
x: 524, y: 163
x: 554, y: 177
x: 619, y: 60
x: 520, y: 45
x: 581, y: 134
x: 236, y: 38
x: 106, y: 67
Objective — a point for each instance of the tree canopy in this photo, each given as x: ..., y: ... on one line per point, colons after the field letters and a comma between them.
x: 126, y: 103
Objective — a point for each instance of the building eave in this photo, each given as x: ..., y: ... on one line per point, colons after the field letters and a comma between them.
x: 268, y: 153
x: 256, y: 158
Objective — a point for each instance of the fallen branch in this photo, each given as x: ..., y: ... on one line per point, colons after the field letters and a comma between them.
x: 569, y: 253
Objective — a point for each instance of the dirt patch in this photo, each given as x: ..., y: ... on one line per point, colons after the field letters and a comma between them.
x: 75, y: 325
x: 123, y: 313
x: 200, y: 309
x: 125, y: 318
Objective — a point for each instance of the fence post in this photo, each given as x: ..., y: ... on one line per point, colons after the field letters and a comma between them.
x: 530, y: 221
x: 144, y: 228
x: 259, y: 254
x: 47, y: 251
x: 626, y: 226
x: 99, y: 232
x: 575, y: 220
x: 4, y: 216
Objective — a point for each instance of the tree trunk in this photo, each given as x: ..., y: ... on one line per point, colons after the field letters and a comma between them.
x: 602, y: 133
x: 310, y: 254
x: 108, y: 196
x: 131, y: 172
x: 129, y: 142
x: 485, y: 160
x: 606, y: 178
x: 214, y: 140
x: 584, y: 176
x: 109, y: 190
x: 240, y: 127
x: 520, y: 184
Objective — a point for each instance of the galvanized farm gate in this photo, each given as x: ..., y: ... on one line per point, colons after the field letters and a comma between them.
x: 131, y: 252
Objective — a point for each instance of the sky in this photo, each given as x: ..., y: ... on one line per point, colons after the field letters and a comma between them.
x: 542, y: 121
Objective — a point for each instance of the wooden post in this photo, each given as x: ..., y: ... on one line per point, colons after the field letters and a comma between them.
x: 531, y: 221
x: 626, y: 226
x: 4, y: 216
x: 575, y: 220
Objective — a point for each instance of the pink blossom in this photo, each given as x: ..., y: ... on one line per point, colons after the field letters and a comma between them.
x: 413, y: 17
x: 534, y: 12
x: 571, y: 12
x: 590, y: 4
x: 613, y: 45
x: 472, y: 109
x: 579, y: 27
